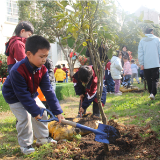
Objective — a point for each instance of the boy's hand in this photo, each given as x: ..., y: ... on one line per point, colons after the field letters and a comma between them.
x: 81, y: 110
x: 60, y: 116
x: 38, y: 117
x: 81, y: 97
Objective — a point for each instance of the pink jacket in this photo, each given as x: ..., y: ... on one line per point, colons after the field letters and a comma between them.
x: 127, y: 68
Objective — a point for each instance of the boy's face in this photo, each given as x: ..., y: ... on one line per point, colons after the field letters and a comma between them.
x: 39, y: 59
x: 25, y: 34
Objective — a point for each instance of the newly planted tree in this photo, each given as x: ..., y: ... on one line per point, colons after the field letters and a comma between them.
x: 89, y: 24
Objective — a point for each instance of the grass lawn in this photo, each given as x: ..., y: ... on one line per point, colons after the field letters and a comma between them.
x: 130, y: 108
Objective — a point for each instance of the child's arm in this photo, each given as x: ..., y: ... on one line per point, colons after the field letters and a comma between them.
x: 140, y: 54
x: 118, y: 65
x: 24, y: 96
x: 79, y: 88
x: 92, y: 96
x: 19, y: 52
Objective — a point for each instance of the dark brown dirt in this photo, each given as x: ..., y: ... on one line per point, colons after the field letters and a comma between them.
x: 138, y: 91
x: 130, y: 146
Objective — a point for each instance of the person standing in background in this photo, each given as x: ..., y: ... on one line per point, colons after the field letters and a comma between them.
x: 109, y: 79
x: 116, y: 68
x: 65, y: 70
x: 124, y: 53
x: 60, y: 74
x: 149, y: 59
x: 127, y: 71
x: 134, y: 68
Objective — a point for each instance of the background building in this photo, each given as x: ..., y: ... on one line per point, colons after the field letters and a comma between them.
x: 149, y: 14
x: 8, y: 22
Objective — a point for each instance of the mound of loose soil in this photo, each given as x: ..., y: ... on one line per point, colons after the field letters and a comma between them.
x: 130, y: 146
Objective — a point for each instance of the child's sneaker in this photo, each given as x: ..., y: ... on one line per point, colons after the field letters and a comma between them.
x: 152, y: 97
x: 27, y: 150
x: 118, y: 94
x: 45, y: 140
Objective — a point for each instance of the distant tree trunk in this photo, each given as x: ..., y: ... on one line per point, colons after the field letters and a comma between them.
x: 71, y: 68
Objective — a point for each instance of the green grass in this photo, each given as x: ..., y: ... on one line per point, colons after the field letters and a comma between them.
x: 3, y: 105
x: 64, y: 90
x: 135, y: 108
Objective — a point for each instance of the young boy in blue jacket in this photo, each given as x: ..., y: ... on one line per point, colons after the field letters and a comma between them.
x: 20, y: 92
x: 85, y: 85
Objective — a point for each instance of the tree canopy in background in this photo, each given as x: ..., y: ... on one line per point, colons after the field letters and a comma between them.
x: 126, y: 29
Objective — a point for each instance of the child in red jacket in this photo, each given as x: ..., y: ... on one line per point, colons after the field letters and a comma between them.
x: 15, y: 47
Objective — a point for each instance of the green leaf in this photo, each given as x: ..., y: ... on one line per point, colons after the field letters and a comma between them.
x: 64, y: 3
x: 69, y: 36
x: 148, y: 21
x: 60, y: 5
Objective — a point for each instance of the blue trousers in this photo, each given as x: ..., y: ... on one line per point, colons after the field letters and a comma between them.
x: 126, y: 80
x: 65, y: 80
x: 110, y: 85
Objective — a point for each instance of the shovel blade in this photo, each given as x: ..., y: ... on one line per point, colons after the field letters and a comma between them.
x: 101, y: 138
x: 110, y: 136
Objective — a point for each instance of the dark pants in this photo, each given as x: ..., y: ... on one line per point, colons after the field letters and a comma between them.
x: 60, y: 81
x: 96, y: 110
x: 142, y: 77
x: 110, y: 85
x: 152, y: 76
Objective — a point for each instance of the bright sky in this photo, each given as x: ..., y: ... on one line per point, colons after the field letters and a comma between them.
x: 133, y: 5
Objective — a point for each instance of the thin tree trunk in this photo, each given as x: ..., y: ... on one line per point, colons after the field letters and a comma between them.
x: 104, y: 118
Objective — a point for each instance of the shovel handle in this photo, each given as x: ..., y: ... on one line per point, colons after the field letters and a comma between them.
x: 68, y: 122
x: 53, y: 118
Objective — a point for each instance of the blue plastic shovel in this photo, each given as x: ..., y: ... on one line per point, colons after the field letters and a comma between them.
x: 104, y: 133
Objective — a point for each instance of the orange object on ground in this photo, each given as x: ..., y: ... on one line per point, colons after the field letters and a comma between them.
x: 0, y: 79
x: 4, y: 80
x: 41, y: 96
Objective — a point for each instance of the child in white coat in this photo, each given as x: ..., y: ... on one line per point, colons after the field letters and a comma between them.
x: 116, y: 68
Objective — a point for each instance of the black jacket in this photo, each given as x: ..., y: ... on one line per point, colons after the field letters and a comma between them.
x: 49, y: 66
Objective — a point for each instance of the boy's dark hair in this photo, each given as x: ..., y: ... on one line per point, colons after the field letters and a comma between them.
x: 148, y: 30
x: 63, y: 65
x: 125, y: 57
x: 85, y: 74
x: 34, y: 43
x: 132, y: 61
x: 27, y: 26
x: 124, y: 46
x: 59, y: 66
